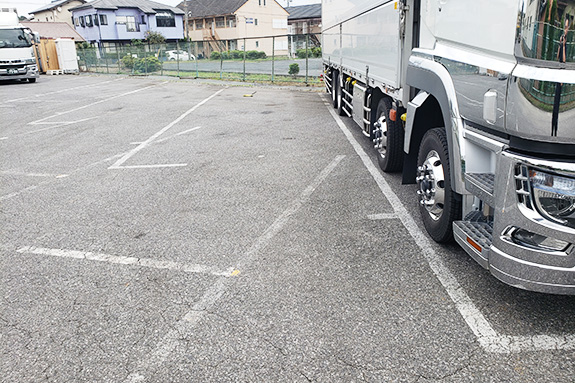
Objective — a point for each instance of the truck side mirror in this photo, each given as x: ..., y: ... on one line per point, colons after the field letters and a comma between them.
x: 36, y: 37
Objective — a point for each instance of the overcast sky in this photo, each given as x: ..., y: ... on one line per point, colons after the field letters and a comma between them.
x: 26, y: 6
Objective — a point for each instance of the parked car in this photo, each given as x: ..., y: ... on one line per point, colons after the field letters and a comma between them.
x: 179, y: 55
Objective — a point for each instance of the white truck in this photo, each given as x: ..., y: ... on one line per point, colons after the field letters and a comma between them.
x: 475, y: 102
x: 17, y: 59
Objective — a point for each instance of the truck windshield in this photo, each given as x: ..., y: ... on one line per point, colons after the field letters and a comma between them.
x: 14, y: 38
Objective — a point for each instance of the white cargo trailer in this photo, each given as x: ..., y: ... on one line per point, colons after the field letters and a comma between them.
x: 475, y: 102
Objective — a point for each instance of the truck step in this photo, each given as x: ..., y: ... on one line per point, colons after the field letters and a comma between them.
x: 475, y: 238
x: 55, y: 71
x: 482, y: 186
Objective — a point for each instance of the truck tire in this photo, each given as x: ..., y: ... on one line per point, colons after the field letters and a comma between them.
x: 438, y: 203
x: 32, y: 80
x: 390, y: 152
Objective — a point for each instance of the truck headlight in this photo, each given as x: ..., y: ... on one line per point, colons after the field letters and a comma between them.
x: 30, y: 61
x: 554, y: 196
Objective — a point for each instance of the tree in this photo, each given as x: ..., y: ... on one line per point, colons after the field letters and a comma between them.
x: 155, y: 38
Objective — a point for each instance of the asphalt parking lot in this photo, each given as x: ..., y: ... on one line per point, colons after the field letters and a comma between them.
x: 163, y: 230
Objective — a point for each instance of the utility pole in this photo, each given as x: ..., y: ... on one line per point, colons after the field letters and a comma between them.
x: 186, y: 19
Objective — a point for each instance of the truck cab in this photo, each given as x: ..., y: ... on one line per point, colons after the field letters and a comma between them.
x: 17, y: 59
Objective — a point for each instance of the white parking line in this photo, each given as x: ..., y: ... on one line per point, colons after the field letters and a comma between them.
x: 486, y: 335
x: 118, y: 164
x: 213, y: 294
x: 116, y: 259
x: 37, y: 122
x: 382, y: 216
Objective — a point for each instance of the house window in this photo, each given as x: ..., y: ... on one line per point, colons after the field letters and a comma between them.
x: 165, y: 20
x: 143, y: 19
x: 89, y: 21
x: 255, y: 21
x: 257, y: 44
x: 96, y: 20
x: 82, y: 24
x: 199, y: 24
x: 220, y: 22
x: 77, y: 21
x: 129, y: 21
x: 103, y: 20
x: 231, y: 21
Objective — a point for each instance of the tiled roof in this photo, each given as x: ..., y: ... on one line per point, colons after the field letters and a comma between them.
x: 203, y: 8
x: 145, y: 6
x: 53, y: 5
x: 51, y: 30
x: 312, y: 11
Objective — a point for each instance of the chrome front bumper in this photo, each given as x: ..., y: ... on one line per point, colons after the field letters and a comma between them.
x: 521, y: 265
x: 20, y: 74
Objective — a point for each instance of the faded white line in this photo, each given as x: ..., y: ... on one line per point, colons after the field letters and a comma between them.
x: 94, y: 103
x: 24, y: 174
x: 144, y: 144
x: 188, y: 131
x: 213, y: 294
x: 91, y: 86
x: 486, y: 335
x: 170, y: 137
x: 178, y: 134
x: 122, y: 260
x: 12, y: 195
x: 151, y: 166
x: 382, y: 216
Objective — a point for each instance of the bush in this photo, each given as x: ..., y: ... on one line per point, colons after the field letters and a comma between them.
x: 293, y: 69
x: 215, y: 56
x: 128, y: 61
x: 147, y: 64
x: 302, y: 53
x: 316, y: 52
x: 235, y: 54
x: 254, y: 55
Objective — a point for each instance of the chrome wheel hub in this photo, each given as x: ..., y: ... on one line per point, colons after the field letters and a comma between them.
x: 380, y: 133
x: 431, y: 182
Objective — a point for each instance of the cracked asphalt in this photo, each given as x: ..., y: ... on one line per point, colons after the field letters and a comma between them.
x: 123, y: 200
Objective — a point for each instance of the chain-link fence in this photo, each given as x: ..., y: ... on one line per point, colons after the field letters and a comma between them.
x: 278, y: 59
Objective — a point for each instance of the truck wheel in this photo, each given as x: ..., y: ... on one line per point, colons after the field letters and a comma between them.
x: 388, y: 136
x: 438, y: 203
x: 32, y: 80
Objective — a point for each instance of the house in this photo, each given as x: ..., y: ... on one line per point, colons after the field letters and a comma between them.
x: 237, y: 24
x: 304, y: 19
x: 120, y: 21
x: 50, y: 33
x: 58, y: 11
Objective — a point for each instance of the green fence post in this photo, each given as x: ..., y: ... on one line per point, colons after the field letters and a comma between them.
x: 119, y: 59
x: 244, y: 78
x: 273, y: 56
x: 178, y: 57
x: 306, y: 56
x: 107, y: 66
